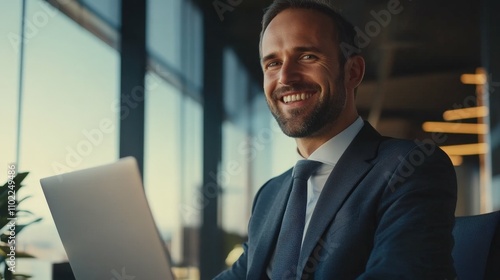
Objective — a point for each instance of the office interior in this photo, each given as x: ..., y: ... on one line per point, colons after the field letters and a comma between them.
x: 178, y: 85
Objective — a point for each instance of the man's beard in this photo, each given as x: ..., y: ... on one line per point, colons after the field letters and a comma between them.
x: 326, y: 111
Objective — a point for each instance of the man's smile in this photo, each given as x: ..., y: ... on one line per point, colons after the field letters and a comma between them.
x: 294, y: 97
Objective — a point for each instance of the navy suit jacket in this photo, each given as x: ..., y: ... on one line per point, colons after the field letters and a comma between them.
x: 385, y: 212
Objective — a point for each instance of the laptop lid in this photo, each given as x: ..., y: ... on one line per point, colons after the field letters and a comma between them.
x: 105, y: 223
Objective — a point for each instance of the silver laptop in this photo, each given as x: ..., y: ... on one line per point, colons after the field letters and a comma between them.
x: 105, y: 223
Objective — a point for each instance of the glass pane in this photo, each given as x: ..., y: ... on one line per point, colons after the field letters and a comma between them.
x: 175, y: 42
x: 164, y: 32
x: 191, y: 195
x: 236, y: 87
x: 69, y: 115
x: 191, y: 147
x: 172, y: 170
x: 274, y: 152
x: 109, y: 10
x: 192, y: 44
x: 234, y: 177
x: 235, y: 173
x: 10, y: 25
x: 173, y: 163
x: 162, y: 155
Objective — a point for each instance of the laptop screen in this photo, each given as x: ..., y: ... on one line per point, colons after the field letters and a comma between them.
x: 105, y: 224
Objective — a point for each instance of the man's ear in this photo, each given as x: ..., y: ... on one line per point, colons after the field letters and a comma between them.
x: 354, y: 70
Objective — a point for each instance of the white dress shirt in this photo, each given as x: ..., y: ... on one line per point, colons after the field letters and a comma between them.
x: 329, y: 154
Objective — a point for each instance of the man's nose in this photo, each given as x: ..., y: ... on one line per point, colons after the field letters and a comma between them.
x: 289, y: 73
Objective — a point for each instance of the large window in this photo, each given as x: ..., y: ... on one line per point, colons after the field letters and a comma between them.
x: 254, y: 150
x: 173, y: 147
x: 173, y: 165
x: 70, y: 85
x: 10, y: 25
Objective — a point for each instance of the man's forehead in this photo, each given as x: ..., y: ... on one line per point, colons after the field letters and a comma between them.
x: 296, y: 28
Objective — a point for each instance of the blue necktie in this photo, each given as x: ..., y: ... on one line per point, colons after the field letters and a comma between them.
x: 286, y: 255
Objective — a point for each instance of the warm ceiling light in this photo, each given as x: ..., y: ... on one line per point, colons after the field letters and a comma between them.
x: 466, y: 149
x: 456, y: 160
x: 446, y: 127
x: 466, y: 113
x: 473, y: 79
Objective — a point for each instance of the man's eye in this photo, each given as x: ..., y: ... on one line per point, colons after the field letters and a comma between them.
x: 308, y: 56
x: 272, y: 64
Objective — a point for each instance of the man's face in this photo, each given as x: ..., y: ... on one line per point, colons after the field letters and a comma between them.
x: 303, y: 81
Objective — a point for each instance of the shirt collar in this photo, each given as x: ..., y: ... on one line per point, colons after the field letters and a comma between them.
x: 331, y: 151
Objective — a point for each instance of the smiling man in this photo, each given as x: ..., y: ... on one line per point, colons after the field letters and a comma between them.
x: 360, y: 212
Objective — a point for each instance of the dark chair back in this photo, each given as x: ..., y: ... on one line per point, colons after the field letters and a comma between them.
x: 477, y: 252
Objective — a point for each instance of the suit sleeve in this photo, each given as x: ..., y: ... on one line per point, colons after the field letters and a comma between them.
x: 238, y: 270
x: 415, y: 217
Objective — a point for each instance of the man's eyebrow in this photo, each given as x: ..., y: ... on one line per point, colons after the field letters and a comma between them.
x: 296, y: 49
x: 307, y: 49
x: 268, y: 57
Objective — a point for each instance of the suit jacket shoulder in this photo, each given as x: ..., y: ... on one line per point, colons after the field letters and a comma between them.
x: 385, y: 212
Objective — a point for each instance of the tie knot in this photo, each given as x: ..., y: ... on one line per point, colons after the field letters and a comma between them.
x: 304, y: 169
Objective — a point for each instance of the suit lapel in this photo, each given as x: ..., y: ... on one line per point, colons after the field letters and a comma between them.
x: 350, y: 169
x: 266, y: 240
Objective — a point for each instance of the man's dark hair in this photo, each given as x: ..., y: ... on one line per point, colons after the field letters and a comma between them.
x: 345, y: 30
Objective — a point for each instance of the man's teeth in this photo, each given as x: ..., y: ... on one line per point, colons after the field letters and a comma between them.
x: 296, y: 97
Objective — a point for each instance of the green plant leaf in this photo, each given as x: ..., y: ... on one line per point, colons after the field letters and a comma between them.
x: 4, y: 236
x: 17, y: 181
x: 5, y: 190
x: 27, y: 212
x: 4, y: 196
x: 23, y: 199
x: 18, y: 178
